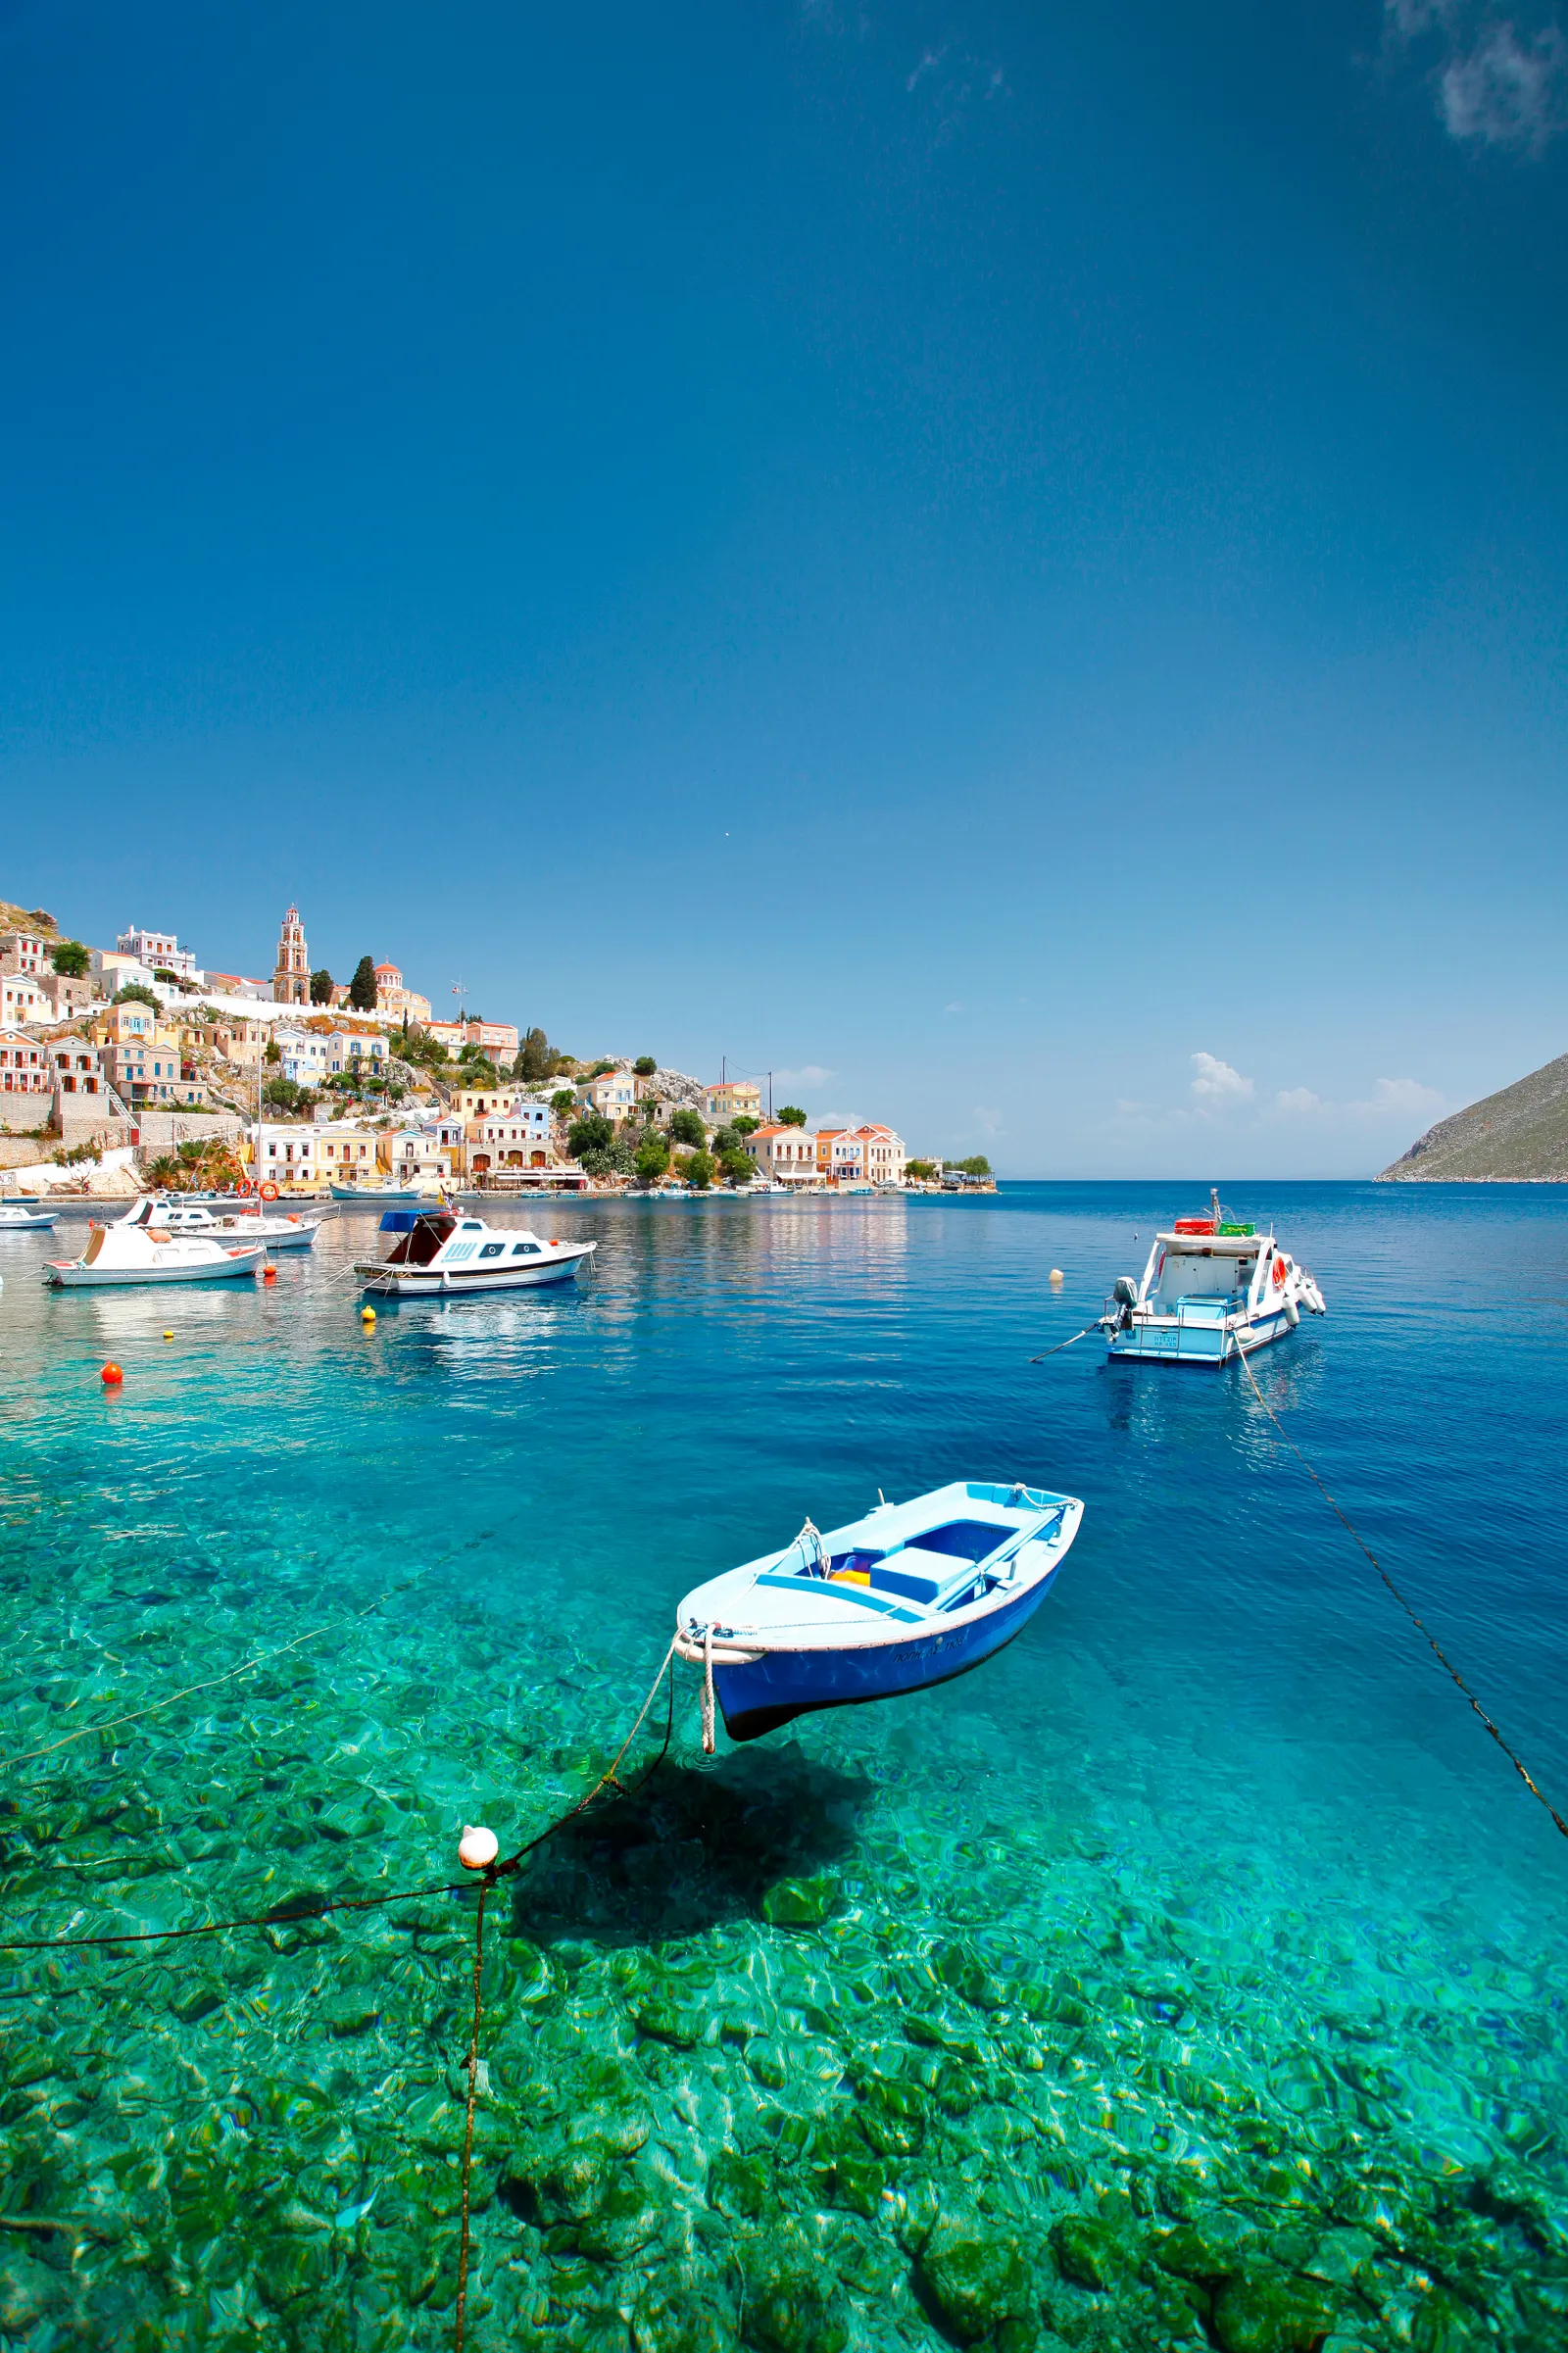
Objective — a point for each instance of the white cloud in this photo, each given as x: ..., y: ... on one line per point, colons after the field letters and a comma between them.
x: 1505, y: 92
x: 1405, y: 1095
x: 989, y: 1123
x: 1493, y: 84
x: 1409, y: 17
x: 1216, y: 1083
x: 1392, y: 1099
x: 954, y: 1008
x: 811, y: 1074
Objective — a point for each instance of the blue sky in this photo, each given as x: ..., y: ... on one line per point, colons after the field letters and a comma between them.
x: 1008, y: 563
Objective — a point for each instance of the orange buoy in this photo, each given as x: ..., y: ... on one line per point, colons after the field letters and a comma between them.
x: 111, y: 1376
x: 269, y: 1274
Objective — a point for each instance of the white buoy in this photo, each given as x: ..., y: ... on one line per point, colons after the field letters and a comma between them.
x: 478, y: 1849
x: 1057, y: 1275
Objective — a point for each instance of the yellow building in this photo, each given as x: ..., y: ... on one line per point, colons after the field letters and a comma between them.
x: 734, y: 1098
x: 345, y: 1153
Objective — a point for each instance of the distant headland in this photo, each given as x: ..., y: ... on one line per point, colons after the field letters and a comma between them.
x: 1516, y: 1137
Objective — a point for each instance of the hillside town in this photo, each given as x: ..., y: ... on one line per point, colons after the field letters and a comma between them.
x: 300, y: 1082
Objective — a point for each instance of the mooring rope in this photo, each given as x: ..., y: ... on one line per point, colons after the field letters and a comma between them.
x: 468, y: 2122
x: 1096, y: 1326
x: 1508, y: 1750
x: 508, y: 1870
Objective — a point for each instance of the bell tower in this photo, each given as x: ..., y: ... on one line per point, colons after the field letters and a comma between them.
x: 291, y: 977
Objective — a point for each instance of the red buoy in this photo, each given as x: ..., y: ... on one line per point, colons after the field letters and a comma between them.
x: 111, y: 1376
x: 269, y: 1274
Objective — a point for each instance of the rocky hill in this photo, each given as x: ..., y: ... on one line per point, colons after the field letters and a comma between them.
x: 27, y: 918
x: 1517, y: 1137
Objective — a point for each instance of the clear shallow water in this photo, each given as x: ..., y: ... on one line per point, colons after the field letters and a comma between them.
x: 1194, y: 1972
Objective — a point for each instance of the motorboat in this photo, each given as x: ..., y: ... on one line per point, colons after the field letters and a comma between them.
x: 280, y: 1231
x: 16, y: 1219
x: 908, y: 1597
x: 127, y: 1252
x: 1213, y: 1288
x: 440, y: 1253
x: 379, y: 1195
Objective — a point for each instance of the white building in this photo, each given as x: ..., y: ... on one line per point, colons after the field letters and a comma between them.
x: 284, y: 1156
x: 516, y: 1138
x: 302, y: 1056
x: 115, y: 971
x: 24, y: 952
x: 613, y: 1095
x: 884, y: 1153
x: 786, y: 1155
x: 25, y: 1067
x: 157, y: 952
x: 351, y: 1049
x: 23, y: 999
x: 417, y: 1155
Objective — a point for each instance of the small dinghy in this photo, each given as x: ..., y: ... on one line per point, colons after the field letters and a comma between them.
x: 911, y: 1596
x: 15, y: 1219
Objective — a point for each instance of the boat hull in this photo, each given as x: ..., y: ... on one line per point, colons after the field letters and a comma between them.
x: 417, y: 1284
x: 98, y: 1277
x: 373, y: 1199
x: 771, y: 1690
x: 1175, y: 1341
x: 27, y: 1225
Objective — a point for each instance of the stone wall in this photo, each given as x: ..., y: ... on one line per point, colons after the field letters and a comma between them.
x: 162, y: 1131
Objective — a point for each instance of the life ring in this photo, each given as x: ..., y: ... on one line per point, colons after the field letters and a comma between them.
x: 269, y: 1192
x: 1279, y: 1274
x: 245, y: 1186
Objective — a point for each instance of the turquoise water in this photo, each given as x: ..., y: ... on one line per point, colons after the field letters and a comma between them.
x: 1192, y: 1974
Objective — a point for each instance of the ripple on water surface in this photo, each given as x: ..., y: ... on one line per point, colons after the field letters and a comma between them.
x: 1193, y: 1975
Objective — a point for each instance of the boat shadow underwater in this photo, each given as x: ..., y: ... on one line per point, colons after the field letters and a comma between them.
x: 697, y: 1849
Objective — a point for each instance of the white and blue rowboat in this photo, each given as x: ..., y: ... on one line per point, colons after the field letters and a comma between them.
x: 908, y: 1597
x: 1213, y: 1288
x: 18, y: 1218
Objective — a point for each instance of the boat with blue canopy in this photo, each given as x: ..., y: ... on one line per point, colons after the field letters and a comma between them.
x: 441, y: 1253
x: 908, y: 1597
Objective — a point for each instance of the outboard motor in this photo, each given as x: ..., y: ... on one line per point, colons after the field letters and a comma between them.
x: 1124, y: 1291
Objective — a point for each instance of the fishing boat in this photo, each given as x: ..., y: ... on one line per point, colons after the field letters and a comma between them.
x: 127, y: 1252
x: 440, y: 1255
x: 909, y: 1595
x: 1214, y: 1288
x: 280, y: 1231
x: 14, y: 1219
x: 377, y: 1195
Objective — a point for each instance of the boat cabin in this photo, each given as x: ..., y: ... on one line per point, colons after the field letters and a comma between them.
x: 425, y: 1235
x: 1202, y: 1266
